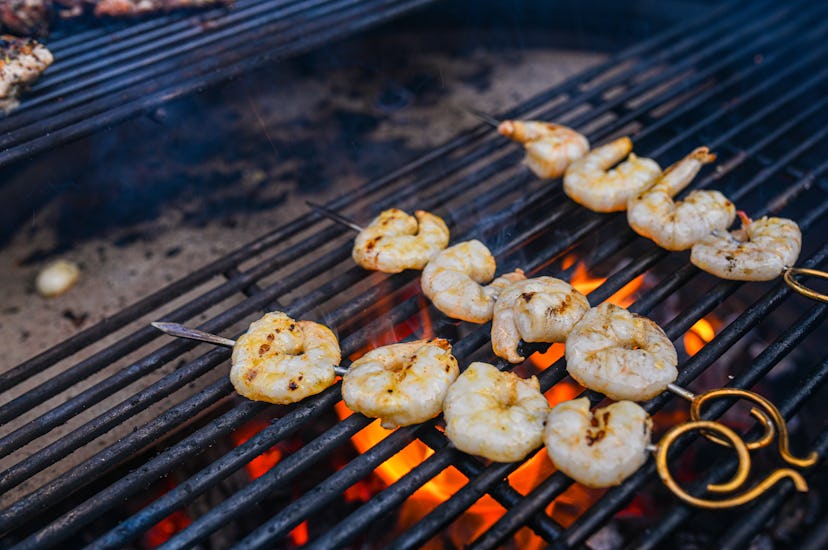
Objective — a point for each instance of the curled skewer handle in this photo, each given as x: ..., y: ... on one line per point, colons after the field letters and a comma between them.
x: 790, y: 279
x: 739, y: 478
x: 335, y: 216
x: 180, y: 331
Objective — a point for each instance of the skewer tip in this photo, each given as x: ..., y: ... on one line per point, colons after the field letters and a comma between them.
x: 483, y: 117
x: 335, y: 216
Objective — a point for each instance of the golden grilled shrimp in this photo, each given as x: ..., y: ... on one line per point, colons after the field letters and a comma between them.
x: 395, y: 241
x: 453, y: 281
x: 678, y: 226
x: 759, y: 251
x: 620, y: 354
x: 493, y: 414
x: 401, y: 384
x: 279, y: 360
x: 543, y: 309
x: 600, y: 448
x: 550, y: 148
x: 588, y: 182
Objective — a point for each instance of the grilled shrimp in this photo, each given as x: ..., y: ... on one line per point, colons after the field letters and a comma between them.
x: 588, y: 182
x: 543, y: 309
x: 622, y: 355
x: 493, y: 414
x: 452, y: 281
x: 279, y: 360
x: 401, y: 384
x: 678, y: 226
x: 395, y: 241
x: 550, y: 148
x: 759, y: 251
x: 600, y: 448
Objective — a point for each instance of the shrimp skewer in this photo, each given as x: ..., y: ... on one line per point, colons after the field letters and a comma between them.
x: 620, y: 354
x: 601, y: 448
x: 402, y: 384
x: 588, y: 182
x: 760, y: 250
x: 543, y: 309
x: 453, y: 281
x: 278, y: 360
x: 395, y: 241
x: 680, y: 225
x: 550, y: 148
x: 493, y: 414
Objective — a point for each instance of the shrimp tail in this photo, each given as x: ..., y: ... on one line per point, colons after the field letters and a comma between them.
x: 746, y: 220
x: 703, y: 155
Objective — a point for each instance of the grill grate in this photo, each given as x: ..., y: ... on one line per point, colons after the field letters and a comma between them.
x: 106, y: 75
x: 702, y: 84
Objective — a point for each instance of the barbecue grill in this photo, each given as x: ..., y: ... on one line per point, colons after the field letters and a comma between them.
x: 749, y: 81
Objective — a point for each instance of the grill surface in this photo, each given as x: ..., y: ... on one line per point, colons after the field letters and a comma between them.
x: 750, y: 82
x: 118, y: 70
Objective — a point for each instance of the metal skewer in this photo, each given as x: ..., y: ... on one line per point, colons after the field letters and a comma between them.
x: 180, y: 331
x: 335, y: 216
x: 483, y: 117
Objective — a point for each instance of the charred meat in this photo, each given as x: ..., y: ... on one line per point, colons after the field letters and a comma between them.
x: 121, y: 8
x: 22, y: 60
x: 25, y: 17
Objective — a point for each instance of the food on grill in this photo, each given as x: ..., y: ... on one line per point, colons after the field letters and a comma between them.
x: 401, y: 384
x: 56, y: 278
x: 543, y: 309
x: 601, y: 448
x: 279, y: 360
x: 620, y: 354
x: 493, y: 414
x: 25, y: 17
x: 588, y: 182
x: 22, y: 60
x: 550, y: 148
x: 758, y: 251
x: 120, y: 8
x: 680, y: 225
x: 453, y: 281
x: 395, y: 241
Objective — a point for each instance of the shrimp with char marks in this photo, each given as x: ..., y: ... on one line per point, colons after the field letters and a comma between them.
x: 588, y: 182
x: 620, y: 354
x: 279, y: 360
x: 600, y: 448
x: 543, y: 309
x: 550, y: 148
x: 395, y: 241
x: 401, y: 384
x: 680, y: 225
x: 453, y: 281
x: 759, y: 251
x: 493, y: 414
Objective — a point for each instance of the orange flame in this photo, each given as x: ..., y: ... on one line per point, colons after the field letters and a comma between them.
x: 699, y: 334
x: 483, y: 513
x: 260, y: 465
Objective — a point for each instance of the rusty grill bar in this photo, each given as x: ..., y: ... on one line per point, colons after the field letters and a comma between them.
x: 118, y: 70
x: 746, y: 80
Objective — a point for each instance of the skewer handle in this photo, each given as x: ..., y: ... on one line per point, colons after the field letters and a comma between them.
x: 335, y: 216
x: 483, y: 117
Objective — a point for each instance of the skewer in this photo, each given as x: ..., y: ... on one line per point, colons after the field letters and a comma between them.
x: 335, y: 216
x: 483, y: 117
x: 180, y: 331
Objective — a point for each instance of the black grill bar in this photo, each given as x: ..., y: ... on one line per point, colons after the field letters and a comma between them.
x: 482, y: 479
x: 199, y: 54
x: 72, y: 375
x: 571, y: 87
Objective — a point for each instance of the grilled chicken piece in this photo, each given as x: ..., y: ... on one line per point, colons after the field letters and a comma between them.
x: 120, y: 8
x: 25, y: 17
x: 22, y: 60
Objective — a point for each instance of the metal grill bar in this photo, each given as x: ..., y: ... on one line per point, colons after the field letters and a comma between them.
x: 249, y: 40
x: 152, y: 302
x: 468, y: 345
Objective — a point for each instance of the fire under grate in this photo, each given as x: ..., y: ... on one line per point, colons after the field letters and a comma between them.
x: 749, y: 82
